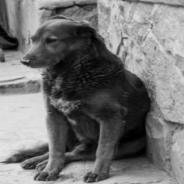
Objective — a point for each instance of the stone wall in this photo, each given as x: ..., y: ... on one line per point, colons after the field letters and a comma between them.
x: 149, y: 37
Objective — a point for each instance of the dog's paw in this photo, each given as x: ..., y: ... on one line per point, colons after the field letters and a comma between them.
x: 46, y: 176
x: 95, y: 177
x: 42, y: 165
x: 29, y: 164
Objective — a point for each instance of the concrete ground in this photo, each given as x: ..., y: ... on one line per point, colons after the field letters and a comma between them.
x: 15, y: 78
x: 22, y: 119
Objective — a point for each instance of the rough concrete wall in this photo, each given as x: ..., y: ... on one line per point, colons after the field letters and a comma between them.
x: 87, y: 12
x: 52, y: 5
x: 149, y: 39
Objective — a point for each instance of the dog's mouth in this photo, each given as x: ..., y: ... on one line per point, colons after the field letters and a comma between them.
x: 42, y: 64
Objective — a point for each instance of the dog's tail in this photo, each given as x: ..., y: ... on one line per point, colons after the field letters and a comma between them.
x: 22, y: 155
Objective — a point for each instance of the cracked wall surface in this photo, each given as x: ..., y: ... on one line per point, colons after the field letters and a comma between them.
x: 149, y: 38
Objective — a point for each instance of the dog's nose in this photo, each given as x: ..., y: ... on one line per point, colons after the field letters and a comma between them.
x: 25, y: 61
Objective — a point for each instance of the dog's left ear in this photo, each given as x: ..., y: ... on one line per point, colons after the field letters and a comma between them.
x: 86, y: 30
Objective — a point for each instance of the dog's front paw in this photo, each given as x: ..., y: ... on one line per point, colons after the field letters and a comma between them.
x: 95, y: 177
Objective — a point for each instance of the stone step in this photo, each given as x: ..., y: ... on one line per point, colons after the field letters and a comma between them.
x: 23, y: 125
x: 20, y: 86
x: 16, y: 78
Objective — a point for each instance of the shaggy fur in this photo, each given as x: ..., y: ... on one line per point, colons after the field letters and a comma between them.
x: 96, y: 109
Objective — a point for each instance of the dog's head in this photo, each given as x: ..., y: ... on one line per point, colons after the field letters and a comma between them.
x: 57, y: 39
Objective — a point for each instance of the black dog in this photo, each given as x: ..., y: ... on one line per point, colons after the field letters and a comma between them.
x: 92, y: 100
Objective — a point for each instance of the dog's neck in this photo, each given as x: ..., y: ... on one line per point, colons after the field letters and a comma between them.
x: 80, y: 73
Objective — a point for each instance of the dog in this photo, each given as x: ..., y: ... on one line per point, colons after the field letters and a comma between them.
x: 96, y: 109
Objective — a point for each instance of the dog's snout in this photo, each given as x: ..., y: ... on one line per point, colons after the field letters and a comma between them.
x: 25, y: 61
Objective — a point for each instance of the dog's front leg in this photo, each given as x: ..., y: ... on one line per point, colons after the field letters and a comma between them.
x: 57, y: 130
x: 111, y: 127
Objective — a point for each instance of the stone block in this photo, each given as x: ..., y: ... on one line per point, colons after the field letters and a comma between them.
x: 86, y: 12
x: 76, y: 9
x: 20, y: 87
x: 160, y: 140
x: 177, y: 154
x: 52, y: 5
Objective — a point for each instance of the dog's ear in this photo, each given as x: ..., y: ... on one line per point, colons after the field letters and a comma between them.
x: 87, y: 31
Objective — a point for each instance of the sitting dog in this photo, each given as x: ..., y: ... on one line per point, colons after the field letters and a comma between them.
x: 96, y: 109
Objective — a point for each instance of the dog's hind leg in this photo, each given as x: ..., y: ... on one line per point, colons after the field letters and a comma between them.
x: 84, y: 151
x: 69, y: 157
x: 130, y: 148
x: 41, y: 165
x: 33, y: 162
x: 125, y: 150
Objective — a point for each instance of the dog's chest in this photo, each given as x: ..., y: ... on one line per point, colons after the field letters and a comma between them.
x: 65, y: 106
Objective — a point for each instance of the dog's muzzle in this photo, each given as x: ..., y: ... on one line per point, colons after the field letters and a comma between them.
x: 25, y: 61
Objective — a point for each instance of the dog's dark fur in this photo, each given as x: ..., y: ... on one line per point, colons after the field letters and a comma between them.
x: 92, y: 101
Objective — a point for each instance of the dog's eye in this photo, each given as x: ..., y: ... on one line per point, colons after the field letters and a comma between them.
x: 33, y: 38
x: 51, y: 39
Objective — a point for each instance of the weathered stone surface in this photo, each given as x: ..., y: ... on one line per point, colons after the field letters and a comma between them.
x: 87, y: 12
x: 167, y: 2
x: 177, y: 154
x: 51, y: 5
x: 149, y: 39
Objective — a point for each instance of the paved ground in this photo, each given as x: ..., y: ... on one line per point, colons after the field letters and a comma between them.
x: 22, y: 119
